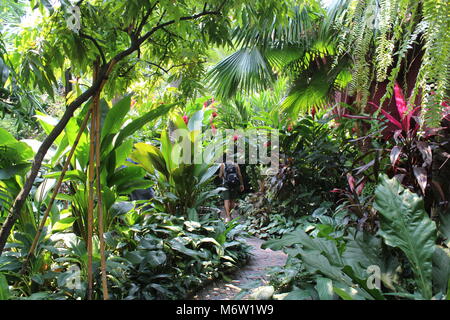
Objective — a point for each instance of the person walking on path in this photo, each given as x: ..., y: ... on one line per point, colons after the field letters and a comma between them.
x: 233, y: 182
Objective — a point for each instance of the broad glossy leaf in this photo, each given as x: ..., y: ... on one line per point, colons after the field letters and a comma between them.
x: 4, y: 288
x: 155, y: 258
x: 48, y: 123
x: 43, y: 190
x: 298, y: 294
x: 208, y: 174
x: 138, y: 123
x: 149, y: 157
x: 324, y: 287
x: 406, y: 225
x: 126, y: 175
x: 180, y: 247
x: 425, y: 150
x: 326, y: 247
x: 120, y: 208
x: 441, y: 269
x: 444, y: 227
x: 18, y: 169
x: 116, y: 116
x: 63, y: 224
x: 76, y: 175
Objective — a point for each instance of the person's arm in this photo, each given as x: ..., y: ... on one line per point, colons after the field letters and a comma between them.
x: 240, y: 177
x: 221, y: 171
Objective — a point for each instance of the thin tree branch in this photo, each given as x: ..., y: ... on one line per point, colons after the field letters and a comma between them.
x: 144, y: 20
x: 102, y: 55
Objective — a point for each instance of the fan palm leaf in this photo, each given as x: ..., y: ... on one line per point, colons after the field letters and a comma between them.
x: 296, y: 48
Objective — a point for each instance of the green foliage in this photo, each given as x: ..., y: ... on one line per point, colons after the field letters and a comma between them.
x: 299, y: 46
x: 181, y: 177
x: 412, y: 265
x: 174, y: 256
x: 117, y: 180
x: 152, y: 256
x: 14, y: 164
x: 4, y: 289
x: 313, y: 163
x: 406, y: 225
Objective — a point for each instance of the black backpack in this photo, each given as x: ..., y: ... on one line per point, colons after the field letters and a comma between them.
x: 231, y: 176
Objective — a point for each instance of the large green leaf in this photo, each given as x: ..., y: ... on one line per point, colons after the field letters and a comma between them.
x: 138, y: 123
x: 166, y: 150
x: 441, y: 269
x: 155, y: 258
x: 6, y: 137
x: 327, y: 247
x: 128, y: 179
x: 4, y: 289
x: 208, y: 174
x: 406, y: 225
x: 363, y: 250
x: 116, y: 116
x: 444, y: 228
x: 63, y: 224
x: 324, y: 287
x: 18, y: 169
x: 69, y: 175
x: 48, y: 123
x: 149, y: 157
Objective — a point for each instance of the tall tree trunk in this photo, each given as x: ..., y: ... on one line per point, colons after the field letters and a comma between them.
x: 40, y: 154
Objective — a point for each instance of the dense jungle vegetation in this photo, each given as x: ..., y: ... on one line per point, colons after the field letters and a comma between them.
x: 93, y: 92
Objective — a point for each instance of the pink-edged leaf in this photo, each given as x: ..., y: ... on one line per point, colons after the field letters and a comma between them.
x: 407, y: 120
x: 406, y: 124
x: 374, y: 105
x: 395, y: 154
x: 400, y: 100
x: 421, y: 177
x: 392, y: 119
x: 425, y: 150
x: 351, y: 182
x: 335, y: 190
x: 360, y: 188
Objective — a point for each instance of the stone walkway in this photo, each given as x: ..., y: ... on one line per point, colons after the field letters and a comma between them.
x: 255, y: 271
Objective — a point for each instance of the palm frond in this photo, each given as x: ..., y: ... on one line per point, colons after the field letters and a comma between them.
x: 244, y: 70
x: 307, y: 93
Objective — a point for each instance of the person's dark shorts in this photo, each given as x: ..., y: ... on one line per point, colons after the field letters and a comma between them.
x: 230, y: 194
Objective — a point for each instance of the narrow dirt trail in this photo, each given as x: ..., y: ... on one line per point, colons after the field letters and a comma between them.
x: 255, y: 270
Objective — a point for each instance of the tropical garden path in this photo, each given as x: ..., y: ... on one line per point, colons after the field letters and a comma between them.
x: 255, y: 271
